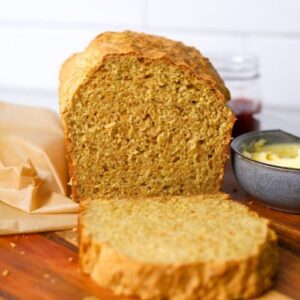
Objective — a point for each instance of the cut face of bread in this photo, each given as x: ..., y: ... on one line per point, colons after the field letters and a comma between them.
x: 143, y: 115
x: 193, y: 247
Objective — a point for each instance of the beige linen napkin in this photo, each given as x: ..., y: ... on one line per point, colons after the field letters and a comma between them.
x: 33, y: 172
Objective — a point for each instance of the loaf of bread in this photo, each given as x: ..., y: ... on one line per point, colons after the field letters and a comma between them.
x: 143, y: 115
x: 177, y: 247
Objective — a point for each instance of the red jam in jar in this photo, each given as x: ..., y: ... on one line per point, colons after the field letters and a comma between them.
x: 244, y: 109
x: 242, y: 78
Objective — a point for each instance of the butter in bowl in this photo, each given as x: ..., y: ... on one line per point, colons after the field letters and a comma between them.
x: 267, y: 166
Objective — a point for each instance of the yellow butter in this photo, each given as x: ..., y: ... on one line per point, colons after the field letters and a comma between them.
x: 283, y: 155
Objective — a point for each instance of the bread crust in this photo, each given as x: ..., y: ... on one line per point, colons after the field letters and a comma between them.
x: 79, y: 68
x: 211, y: 280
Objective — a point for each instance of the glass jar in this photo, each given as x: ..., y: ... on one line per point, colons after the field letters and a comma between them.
x: 242, y: 78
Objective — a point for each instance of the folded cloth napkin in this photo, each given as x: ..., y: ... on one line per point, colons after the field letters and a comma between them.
x: 33, y: 172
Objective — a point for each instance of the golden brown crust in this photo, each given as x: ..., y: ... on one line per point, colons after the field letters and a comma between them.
x: 78, y: 68
x: 71, y: 167
x: 234, y: 279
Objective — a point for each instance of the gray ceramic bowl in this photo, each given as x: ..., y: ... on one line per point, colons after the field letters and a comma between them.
x: 277, y: 187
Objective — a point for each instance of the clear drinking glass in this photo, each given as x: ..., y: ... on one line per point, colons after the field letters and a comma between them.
x: 242, y: 78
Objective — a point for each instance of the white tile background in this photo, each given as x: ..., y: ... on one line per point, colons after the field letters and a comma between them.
x: 37, y: 36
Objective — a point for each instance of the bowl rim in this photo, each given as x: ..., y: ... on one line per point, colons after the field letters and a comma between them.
x: 255, y: 133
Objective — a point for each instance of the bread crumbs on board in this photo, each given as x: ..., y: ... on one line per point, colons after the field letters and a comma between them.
x: 5, y: 273
x: 13, y: 245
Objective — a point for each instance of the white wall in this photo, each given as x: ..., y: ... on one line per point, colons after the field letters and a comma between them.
x: 36, y: 36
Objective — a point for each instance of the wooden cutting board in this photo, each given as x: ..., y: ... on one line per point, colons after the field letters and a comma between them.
x: 45, y: 266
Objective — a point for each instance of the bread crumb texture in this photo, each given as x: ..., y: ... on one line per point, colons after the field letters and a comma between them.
x: 180, y: 247
x: 143, y: 115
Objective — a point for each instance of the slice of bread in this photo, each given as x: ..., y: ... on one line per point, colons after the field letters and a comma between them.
x: 143, y: 115
x: 180, y: 247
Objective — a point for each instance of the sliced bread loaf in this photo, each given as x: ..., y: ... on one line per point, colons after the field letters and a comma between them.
x: 143, y: 115
x: 193, y: 247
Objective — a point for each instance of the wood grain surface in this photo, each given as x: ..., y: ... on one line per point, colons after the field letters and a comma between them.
x: 45, y: 266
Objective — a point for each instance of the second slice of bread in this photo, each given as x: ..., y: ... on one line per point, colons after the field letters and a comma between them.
x: 180, y: 247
